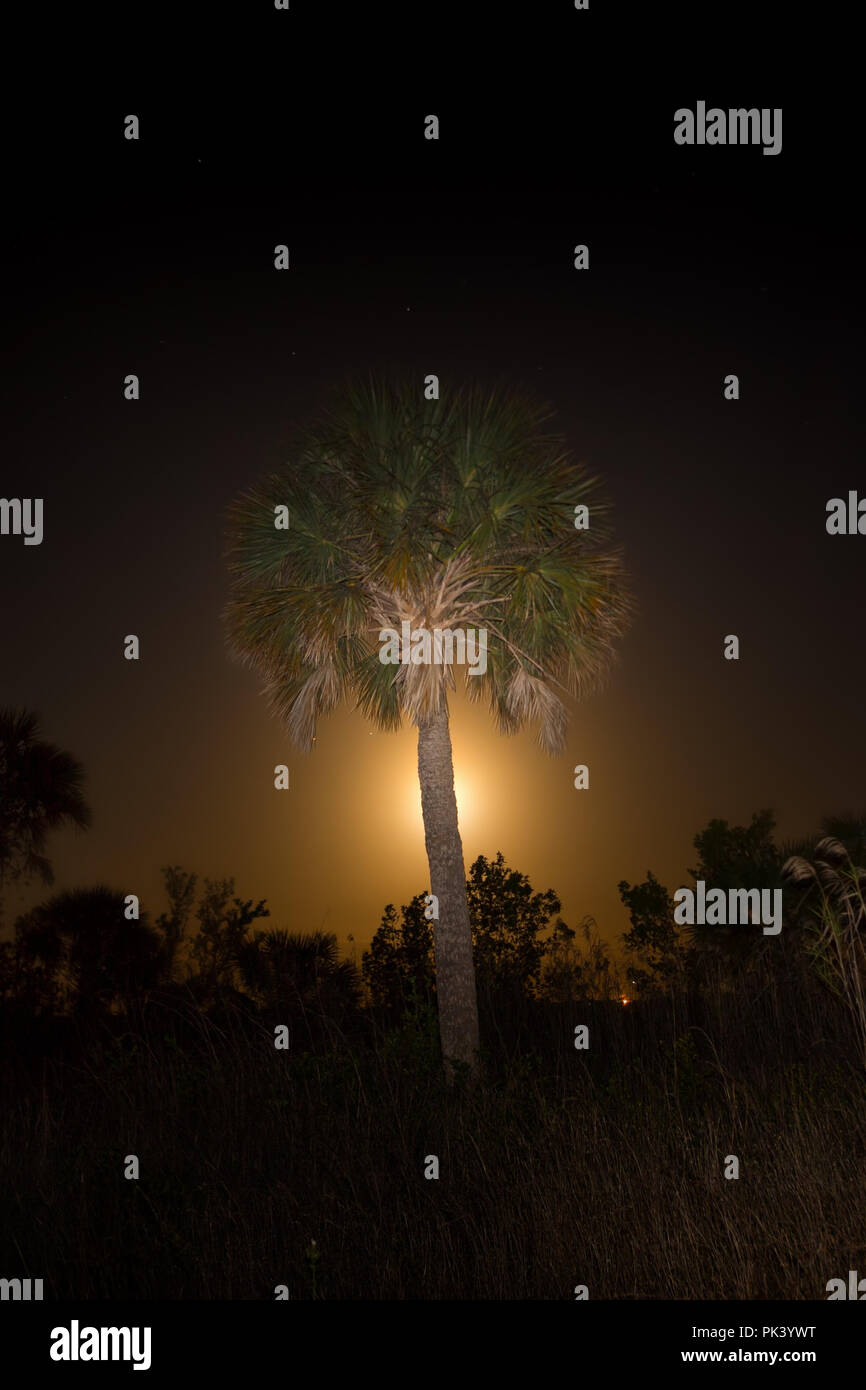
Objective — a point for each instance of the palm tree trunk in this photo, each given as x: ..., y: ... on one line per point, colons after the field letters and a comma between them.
x: 452, y: 932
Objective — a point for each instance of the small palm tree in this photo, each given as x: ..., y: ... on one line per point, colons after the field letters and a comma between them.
x: 81, y: 945
x: 444, y: 514
x: 40, y: 790
x: 301, y: 973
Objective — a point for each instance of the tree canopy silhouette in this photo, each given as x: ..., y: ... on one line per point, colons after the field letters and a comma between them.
x: 41, y: 789
x: 78, y: 952
x: 507, y: 919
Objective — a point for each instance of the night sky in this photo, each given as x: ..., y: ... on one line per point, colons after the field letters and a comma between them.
x: 456, y: 258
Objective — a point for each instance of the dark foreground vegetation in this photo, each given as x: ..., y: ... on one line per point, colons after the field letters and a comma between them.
x: 604, y: 1166
x: 194, y: 1107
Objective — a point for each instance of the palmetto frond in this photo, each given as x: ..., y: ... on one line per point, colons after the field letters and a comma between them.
x: 453, y: 514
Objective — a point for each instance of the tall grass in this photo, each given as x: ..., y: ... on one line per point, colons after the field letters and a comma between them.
x: 838, y: 936
x: 602, y: 1168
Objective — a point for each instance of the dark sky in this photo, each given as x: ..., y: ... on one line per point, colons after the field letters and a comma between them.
x: 453, y: 257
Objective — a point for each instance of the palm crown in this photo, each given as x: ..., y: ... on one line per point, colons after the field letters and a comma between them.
x: 446, y: 514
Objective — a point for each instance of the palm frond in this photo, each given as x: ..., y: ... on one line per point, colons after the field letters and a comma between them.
x: 453, y: 514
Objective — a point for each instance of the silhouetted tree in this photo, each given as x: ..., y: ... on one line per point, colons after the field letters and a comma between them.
x: 40, y: 790
x: 735, y: 856
x: 507, y: 919
x: 732, y: 856
x: 180, y: 888
x: 398, y: 968
x: 653, y: 942
x: 446, y: 514
x: 301, y: 977
x: 79, y: 952
x: 223, y: 922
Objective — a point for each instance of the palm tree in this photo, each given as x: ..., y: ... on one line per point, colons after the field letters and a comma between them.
x: 301, y: 973
x: 80, y: 950
x: 448, y: 514
x: 40, y: 790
